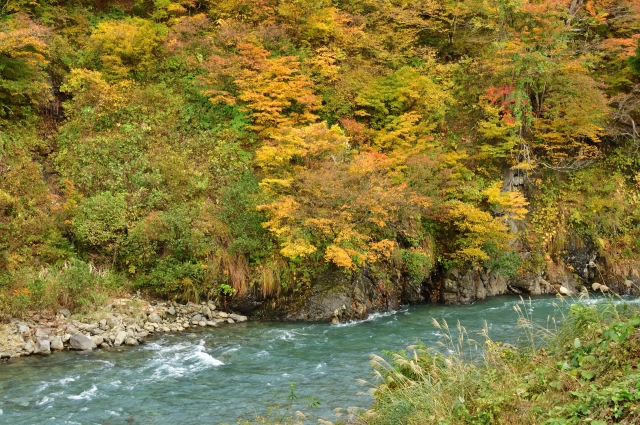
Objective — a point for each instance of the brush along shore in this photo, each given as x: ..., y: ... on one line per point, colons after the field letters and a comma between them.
x: 583, y: 372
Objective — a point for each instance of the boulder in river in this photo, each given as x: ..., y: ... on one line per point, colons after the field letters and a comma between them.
x: 81, y: 342
x: 238, y: 317
x: 29, y: 347
x: 131, y: 341
x: 56, y: 343
x: 120, y: 337
x: 43, y: 346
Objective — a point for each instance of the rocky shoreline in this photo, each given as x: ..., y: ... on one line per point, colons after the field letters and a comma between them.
x: 125, y: 322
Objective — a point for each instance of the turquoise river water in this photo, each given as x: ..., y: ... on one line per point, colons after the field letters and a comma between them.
x: 214, y: 376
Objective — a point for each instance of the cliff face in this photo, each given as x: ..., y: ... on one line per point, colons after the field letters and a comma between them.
x: 336, y: 296
x: 573, y: 265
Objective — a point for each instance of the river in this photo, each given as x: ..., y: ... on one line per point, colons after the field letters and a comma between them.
x: 214, y: 376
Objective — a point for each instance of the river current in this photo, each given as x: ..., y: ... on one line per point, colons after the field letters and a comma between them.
x: 214, y: 376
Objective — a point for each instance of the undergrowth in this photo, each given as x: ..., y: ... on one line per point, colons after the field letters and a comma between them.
x: 583, y: 371
x: 76, y: 285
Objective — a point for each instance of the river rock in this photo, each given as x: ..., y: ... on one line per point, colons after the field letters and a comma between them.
x: 171, y: 311
x: 112, y: 322
x: 43, y: 346
x: 131, y: 341
x: 120, y: 337
x: 97, y: 339
x: 56, y: 343
x: 23, y: 328
x: 81, y: 342
x: 202, y: 323
x: 141, y: 335
x: 206, y: 311
x: 564, y: 291
x: 29, y: 347
x: 211, y: 323
x: 230, y: 321
x: 222, y: 314
x: 154, y: 318
x: 238, y: 317
x: 41, y: 333
x: 96, y: 331
x: 86, y: 326
x: 65, y: 312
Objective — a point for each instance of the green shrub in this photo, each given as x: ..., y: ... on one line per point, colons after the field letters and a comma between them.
x: 100, y: 220
x: 76, y: 285
x: 416, y: 264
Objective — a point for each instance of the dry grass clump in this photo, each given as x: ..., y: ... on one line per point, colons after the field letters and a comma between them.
x: 584, y: 371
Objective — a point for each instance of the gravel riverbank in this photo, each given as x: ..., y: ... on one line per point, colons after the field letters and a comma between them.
x: 125, y: 322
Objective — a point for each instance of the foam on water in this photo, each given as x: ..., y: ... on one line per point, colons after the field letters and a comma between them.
x: 370, y: 318
x: 175, y: 361
x: 230, y: 350
x: 85, y: 395
x: 283, y: 335
x: 42, y: 387
x: 44, y: 401
x: 206, y: 358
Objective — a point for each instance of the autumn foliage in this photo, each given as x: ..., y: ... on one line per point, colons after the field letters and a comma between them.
x: 189, y: 144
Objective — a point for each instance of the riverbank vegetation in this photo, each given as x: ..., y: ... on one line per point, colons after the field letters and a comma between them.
x: 196, y: 149
x: 579, y: 367
x: 584, y: 371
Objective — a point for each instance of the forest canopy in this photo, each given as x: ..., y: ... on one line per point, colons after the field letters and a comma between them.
x: 196, y: 149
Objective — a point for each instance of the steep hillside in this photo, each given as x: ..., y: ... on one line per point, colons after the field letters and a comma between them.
x: 317, y: 160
